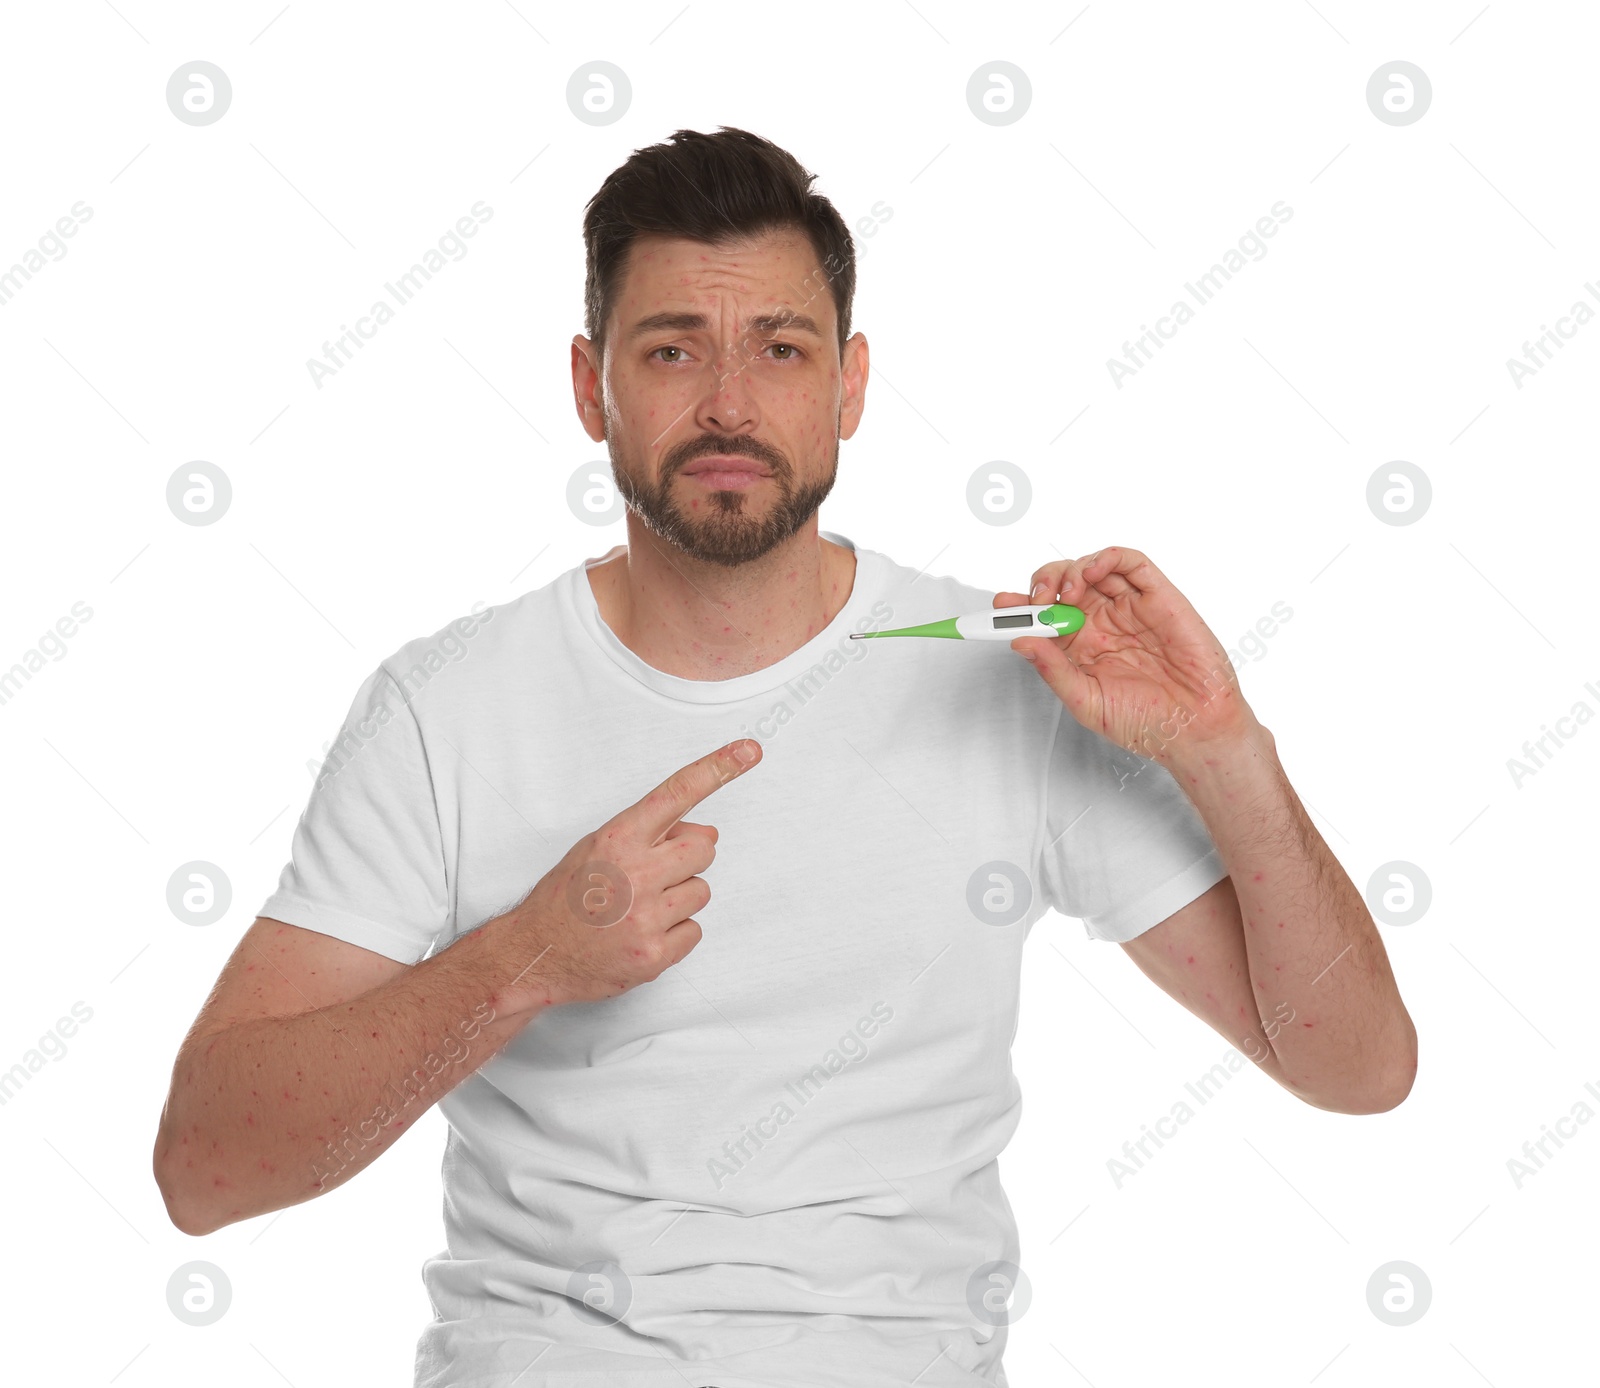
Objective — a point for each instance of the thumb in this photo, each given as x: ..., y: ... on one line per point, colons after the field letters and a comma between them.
x: 1057, y: 669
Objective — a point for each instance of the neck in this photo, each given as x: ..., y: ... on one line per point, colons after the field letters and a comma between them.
x: 703, y: 621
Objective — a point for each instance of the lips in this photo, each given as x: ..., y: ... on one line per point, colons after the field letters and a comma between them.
x: 726, y: 465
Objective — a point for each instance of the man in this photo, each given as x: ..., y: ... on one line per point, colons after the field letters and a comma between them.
x: 749, y: 1139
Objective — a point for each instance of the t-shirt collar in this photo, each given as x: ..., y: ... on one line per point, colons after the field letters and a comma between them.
x: 836, y: 635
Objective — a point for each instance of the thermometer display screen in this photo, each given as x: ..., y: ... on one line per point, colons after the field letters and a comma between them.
x: 1017, y: 619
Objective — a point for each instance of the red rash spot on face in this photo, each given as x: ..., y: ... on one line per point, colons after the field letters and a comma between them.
x: 1280, y: 925
x: 1259, y: 876
x: 1191, y: 958
x: 1310, y: 1024
x: 250, y: 1120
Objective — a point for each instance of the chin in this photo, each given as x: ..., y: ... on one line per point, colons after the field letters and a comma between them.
x: 719, y: 542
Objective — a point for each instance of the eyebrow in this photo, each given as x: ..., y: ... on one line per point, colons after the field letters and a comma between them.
x: 765, y: 324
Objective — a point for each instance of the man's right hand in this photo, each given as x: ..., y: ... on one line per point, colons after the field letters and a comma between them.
x: 617, y: 910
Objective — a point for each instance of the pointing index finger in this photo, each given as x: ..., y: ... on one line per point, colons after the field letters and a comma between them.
x: 664, y: 806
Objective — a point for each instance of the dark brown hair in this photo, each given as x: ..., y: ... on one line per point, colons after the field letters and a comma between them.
x: 719, y: 189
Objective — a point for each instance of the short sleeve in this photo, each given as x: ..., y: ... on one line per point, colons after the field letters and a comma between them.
x: 367, y: 863
x: 1124, y: 846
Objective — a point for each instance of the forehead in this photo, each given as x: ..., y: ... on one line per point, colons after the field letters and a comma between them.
x: 778, y: 267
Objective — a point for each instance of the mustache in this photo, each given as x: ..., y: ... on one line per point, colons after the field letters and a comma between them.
x: 736, y: 447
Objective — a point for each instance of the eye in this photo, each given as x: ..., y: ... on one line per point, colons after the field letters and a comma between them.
x: 792, y: 353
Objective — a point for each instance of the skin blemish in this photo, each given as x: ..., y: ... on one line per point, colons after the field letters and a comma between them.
x: 1259, y: 876
x: 1191, y: 958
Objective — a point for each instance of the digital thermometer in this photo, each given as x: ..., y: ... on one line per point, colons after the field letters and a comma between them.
x: 998, y: 624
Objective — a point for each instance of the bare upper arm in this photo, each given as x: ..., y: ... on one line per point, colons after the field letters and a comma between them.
x: 280, y: 970
x: 1197, y: 955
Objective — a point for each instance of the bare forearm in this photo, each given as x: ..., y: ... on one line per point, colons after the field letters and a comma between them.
x: 275, y: 1111
x: 1321, y: 977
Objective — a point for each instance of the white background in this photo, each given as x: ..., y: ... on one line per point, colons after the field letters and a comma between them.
x: 430, y: 474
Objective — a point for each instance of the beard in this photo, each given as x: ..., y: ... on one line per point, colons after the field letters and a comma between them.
x: 732, y: 527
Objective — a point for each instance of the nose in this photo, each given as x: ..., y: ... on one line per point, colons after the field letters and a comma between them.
x: 729, y: 402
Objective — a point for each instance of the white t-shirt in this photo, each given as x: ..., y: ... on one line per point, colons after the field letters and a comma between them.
x: 775, y: 1165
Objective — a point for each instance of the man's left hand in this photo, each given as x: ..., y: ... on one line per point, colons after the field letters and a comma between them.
x: 1144, y: 670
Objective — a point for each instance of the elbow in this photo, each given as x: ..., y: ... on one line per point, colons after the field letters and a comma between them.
x: 1402, y: 1072
x: 1395, y: 1092
x: 1386, y: 1087
x: 177, y: 1194
x: 180, y: 1210
x: 187, y: 1221
x: 1378, y: 1099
